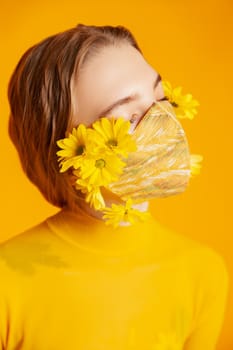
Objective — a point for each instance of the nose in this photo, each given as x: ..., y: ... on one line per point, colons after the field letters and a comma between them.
x: 145, y: 101
x: 136, y: 118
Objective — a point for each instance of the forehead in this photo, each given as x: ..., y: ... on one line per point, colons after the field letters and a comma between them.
x: 111, y: 69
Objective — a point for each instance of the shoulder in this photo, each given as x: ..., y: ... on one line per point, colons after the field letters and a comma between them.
x: 29, y: 245
x: 35, y: 232
x: 173, y: 244
x: 33, y: 251
x: 206, y: 264
x: 200, y: 258
x: 213, y: 270
x: 206, y: 269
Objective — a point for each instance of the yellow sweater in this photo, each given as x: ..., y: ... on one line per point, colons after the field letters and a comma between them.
x: 72, y: 283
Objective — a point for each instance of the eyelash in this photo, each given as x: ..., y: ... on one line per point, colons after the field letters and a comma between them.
x: 164, y: 99
x: 133, y: 119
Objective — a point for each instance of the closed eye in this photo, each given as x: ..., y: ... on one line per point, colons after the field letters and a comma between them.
x: 135, y: 119
x: 164, y: 99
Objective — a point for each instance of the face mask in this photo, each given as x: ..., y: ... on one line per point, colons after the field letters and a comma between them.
x: 161, y: 165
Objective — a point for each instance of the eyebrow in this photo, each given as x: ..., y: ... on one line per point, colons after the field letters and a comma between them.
x: 126, y: 99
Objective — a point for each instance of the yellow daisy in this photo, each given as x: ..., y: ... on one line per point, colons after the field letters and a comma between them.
x: 93, y: 194
x: 195, y: 163
x: 167, y: 341
x: 184, y: 105
x: 81, y: 184
x: 73, y: 148
x: 113, y: 134
x: 100, y: 169
x: 123, y: 213
x: 95, y: 198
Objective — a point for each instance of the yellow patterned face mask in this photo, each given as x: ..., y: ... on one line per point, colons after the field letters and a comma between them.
x: 160, y: 166
x: 152, y: 161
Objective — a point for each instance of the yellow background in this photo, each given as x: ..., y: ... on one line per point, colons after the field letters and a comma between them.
x: 190, y: 44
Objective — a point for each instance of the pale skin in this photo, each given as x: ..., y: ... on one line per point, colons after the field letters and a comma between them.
x: 115, y: 74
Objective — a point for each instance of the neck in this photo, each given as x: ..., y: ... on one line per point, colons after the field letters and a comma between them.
x: 110, y: 199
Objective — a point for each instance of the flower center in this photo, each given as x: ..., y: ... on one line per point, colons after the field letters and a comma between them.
x: 112, y: 142
x: 100, y: 163
x: 80, y: 149
x: 174, y: 104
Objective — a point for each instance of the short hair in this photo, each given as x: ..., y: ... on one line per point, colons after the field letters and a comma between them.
x: 41, y: 103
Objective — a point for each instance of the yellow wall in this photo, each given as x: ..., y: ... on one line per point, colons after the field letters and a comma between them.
x: 190, y: 44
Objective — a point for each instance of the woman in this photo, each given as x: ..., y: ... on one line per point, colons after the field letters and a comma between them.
x: 72, y: 282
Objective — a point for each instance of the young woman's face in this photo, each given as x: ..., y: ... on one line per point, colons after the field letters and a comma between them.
x: 117, y: 81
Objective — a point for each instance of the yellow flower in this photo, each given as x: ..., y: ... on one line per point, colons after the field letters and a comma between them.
x: 100, y: 169
x: 114, y: 135
x: 184, y: 105
x: 73, y: 148
x: 93, y: 194
x: 81, y: 184
x: 167, y: 341
x: 95, y: 198
x: 195, y: 163
x: 123, y: 213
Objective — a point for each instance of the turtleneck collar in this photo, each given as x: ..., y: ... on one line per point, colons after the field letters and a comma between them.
x: 92, y: 235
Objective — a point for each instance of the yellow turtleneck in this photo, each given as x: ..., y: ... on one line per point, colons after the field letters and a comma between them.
x: 72, y: 283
